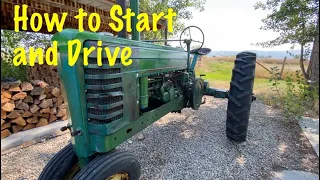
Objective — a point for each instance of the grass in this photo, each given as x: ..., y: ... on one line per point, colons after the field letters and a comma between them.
x: 219, y: 71
x: 226, y: 63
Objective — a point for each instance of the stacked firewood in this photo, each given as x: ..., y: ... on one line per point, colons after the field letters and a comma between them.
x: 28, y: 105
x: 45, y: 73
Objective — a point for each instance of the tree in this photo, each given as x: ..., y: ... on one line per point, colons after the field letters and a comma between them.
x: 295, y: 21
x: 181, y: 7
x: 313, y: 68
x: 11, y: 40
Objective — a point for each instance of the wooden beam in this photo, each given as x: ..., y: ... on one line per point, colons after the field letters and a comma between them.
x: 102, y: 7
x: 264, y: 67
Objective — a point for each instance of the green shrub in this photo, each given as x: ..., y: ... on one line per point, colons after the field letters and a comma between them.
x: 9, y: 70
x: 296, y: 97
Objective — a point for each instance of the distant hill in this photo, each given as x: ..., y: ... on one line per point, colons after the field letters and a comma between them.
x: 266, y: 54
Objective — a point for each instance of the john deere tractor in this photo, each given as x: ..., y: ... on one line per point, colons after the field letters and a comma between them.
x: 109, y: 104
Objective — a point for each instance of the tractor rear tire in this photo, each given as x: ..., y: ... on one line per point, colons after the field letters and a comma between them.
x: 108, y: 166
x: 240, y: 96
x: 64, y: 165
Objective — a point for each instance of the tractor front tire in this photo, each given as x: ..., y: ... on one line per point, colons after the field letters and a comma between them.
x: 240, y: 96
x: 110, y: 166
x: 64, y: 165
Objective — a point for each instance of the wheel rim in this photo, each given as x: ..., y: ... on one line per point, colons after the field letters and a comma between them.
x: 119, y: 176
x: 73, y: 171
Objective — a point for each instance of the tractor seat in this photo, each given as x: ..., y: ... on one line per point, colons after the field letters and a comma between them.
x: 201, y: 51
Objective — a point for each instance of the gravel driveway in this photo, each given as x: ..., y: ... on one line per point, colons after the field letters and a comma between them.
x: 193, y: 145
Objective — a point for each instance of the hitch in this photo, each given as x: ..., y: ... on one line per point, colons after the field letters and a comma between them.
x: 217, y: 93
x: 253, y: 98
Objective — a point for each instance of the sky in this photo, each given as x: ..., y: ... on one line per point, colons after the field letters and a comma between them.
x: 233, y: 25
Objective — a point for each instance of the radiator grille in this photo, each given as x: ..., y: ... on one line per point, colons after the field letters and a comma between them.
x: 103, y: 112
x: 105, y: 101
x: 104, y: 61
x: 103, y: 81
x: 103, y: 108
x: 94, y: 91
x: 95, y: 71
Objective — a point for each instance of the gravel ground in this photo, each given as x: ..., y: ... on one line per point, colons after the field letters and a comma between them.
x: 193, y: 145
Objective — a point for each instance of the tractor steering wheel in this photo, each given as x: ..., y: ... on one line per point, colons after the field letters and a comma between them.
x: 186, y: 35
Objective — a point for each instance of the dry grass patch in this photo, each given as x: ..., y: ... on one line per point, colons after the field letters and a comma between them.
x: 290, y: 68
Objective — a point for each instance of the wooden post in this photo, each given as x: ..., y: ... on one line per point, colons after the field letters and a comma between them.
x: 284, y: 62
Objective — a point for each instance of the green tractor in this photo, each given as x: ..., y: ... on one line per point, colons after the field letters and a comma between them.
x: 110, y: 104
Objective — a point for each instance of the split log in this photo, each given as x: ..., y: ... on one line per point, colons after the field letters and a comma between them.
x: 28, y: 99
x: 5, y: 133
x: 47, y: 89
x: 5, y: 126
x: 22, y: 105
x: 37, y: 101
x: 14, y: 114
x: 61, y: 112
x: 15, y: 88
x: 53, y: 110
x: 65, y: 117
x: 20, y: 121
x: 46, y: 115
x: 37, y: 91
x: 40, y: 83
x: 20, y: 95
x: 49, y: 95
x: 59, y: 101
x: 6, y: 93
x: 17, y: 128
x: 50, y: 102
x: 21, y: 111
x: 5, y: 86
x: 44, y: 104
x: 2, y: 121
x: 52, y: 118
x: 25, y: 86
x: 62, y: 106
x: 29, y: 126
x: 33, y: 120
x: 4, y: 99
x: 56, y: 92
x: 34, y: 108
x: 41, y: 97
x: 45, y: 110
x: 38, y: 114
x: 8, y: 106
x: 42, y: 122
x: 26, y: 114
x: 3, y: 114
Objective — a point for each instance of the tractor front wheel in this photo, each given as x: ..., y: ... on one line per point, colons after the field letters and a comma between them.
x: 240, y: 96
x: 64, y: 165
x: 116, y: 165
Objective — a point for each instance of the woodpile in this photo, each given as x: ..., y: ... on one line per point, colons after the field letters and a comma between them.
x: 44, y: 72
x: 28, y: 105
